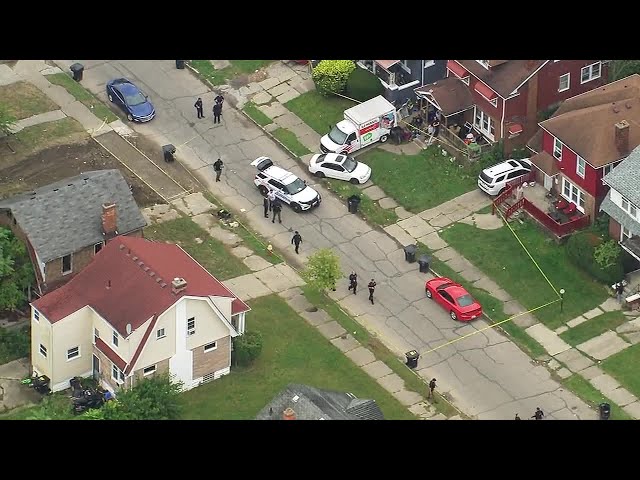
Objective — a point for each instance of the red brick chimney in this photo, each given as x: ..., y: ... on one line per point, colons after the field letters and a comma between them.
x: 109, y: 219
x: 177, y: 285
x: 622, y: 136
x: 289, y: 414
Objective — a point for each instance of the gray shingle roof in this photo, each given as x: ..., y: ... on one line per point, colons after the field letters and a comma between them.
x: 619, y: 215
x: 66, y: 216
x: 315, y: 404
x: 625, y: 178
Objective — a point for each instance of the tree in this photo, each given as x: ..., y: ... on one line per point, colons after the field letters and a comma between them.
x: 153, y: 398
x: 363, y: 85
x: 247, y: 347
x: 16, y: 272
x: 623, y: 68
x: 330, y: 76
x: 323, y: 269
x: 6, y: 121
x: 607, y: 254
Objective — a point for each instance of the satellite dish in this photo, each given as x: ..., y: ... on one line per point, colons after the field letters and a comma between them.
x: 128, y: 329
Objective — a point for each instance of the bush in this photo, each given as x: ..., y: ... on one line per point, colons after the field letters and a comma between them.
x: 247, y: 347
x: 581, y: 249
x: 14, y: 344
x: 363, y: 85
x: 330, y: 76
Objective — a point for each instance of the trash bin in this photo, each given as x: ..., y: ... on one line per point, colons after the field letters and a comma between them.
x: 168, y: 151
x: 412, y: 358
x: 605, y: 411
x: 180, y: 64
x: 77, y: 69
x: 410, y: 253
x: 424, y: 261
x: 353, y: 202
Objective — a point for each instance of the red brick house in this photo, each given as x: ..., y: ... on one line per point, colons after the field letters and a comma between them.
x: 502, y: 99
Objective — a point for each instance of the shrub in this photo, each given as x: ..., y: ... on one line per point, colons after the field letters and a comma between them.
x: 363, y: 85
x: 247, y: 347
x: 581, y: 249
x: 14, y: 344
x: 330, y: 76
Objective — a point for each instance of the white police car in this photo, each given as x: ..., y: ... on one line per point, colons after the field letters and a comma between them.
x: 288, y: 188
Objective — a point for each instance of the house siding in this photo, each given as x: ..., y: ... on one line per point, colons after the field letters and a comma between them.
x: 105, y: 370
x: 550, y: 75
x: 161, y: 368
x: 210, y: 362
x: 614, y: 229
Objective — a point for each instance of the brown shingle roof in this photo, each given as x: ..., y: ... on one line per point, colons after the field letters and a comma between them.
x: 535, y: 143
x: 451, y: 94
x: 546, y: 163
x: 504, y: 78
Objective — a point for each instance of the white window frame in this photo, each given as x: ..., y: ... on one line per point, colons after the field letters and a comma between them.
x: 557, y: 147
x: 36, y: 315
x: 568, y: 76
x: 480, y: 127
x: 405, y: 66
x: 191, y: 330
x: 67, y: 272
x: 115, y: 338
x: 484, y: 63
x: 466, y: 80
x: 119, y: 375
x: 591, y: 75
x: 607, y: 169
x: 160, y: 336
x: 43, y: 350
x: 630, y: 208
x: 494, y: 102
x: 96, y: 335
x: 210, y: 347
x: 624, y: 234
x: 579, y: 194
x: 428, y: 63
x: 101, y: 244
x: 150, y: 370
x: 581, y: 161
x: 77, y: 355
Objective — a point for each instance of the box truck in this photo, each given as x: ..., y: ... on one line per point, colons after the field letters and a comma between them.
x: 364, y: 124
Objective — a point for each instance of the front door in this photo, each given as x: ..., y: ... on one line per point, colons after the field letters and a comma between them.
x: 96, y: 368
x: 548, y: 182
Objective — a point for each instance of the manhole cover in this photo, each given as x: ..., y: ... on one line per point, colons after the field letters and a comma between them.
x: 312, y: 309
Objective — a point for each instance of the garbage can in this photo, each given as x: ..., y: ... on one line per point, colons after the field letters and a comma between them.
x: 180, y: 64
x: 605, y: 411
x: 412, y: 358
x: 168, y: 151
x: 410, y: 253
x: 424, y: 261
x: 353, y: 202
x: 77, y: 70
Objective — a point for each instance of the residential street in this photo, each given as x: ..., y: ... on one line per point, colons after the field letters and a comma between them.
x: 486, y: 376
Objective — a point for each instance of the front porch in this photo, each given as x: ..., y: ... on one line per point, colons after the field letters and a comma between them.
x: 632, y: 246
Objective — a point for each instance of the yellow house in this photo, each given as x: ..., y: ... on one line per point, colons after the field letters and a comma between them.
x: 138, y: 308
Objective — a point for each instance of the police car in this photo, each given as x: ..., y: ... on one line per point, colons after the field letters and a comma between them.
x: 287, y: 187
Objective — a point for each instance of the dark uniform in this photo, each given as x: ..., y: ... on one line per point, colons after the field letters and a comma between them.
x: 276, y: 207
x: 217, y: 166
x: 353, y: 282
x: 296, y: 240
x: 372, y: 287
x: 199, y: 108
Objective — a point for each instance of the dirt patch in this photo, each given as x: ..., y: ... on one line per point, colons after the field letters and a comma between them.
x: 24, y: 100
x: 258, y: 76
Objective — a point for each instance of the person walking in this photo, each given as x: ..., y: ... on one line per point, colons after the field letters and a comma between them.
x: 217, y: 112
x: 265, y: 204
x: 199, y: 108
x: 276, y: 208
x: 217, y: 166
x: 619, y: 291
x: 517, y: 417
x: 271, y: 196
x: 432, y: 387
x: 296, y: 240
x: 538, y: 414
x: 372, y: 287
x: 353, y: 281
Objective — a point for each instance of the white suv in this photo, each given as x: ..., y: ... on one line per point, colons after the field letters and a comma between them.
x: 493, y: 180
x: 288, y: 188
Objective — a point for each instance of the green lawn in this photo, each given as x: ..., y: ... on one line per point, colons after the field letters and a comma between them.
x: 289, y: 140
x: 370, y: 210
x: 42, y: 134
x: 23, y: 100
x: 487, y: 209
x: 293, y: 352
x: 260, y: 118
x: 211, y: 253
x: 254, y: 242
x: 14, y: 343
x: 419, y: 182
x: 237, y: 67
x: 319, y: 112
x: 53, y: 407
x: 499, y: 255
x: 593, y: 327
x: 593, y: 397
x: 84, y: 96
x: 623, y: 366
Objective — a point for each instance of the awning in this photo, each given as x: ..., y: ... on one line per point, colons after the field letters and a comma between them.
x: 457, y: 69
x: 515, y: 128
x: 449, y: 95
x: 485, y: 91
x: 546, y: 163
x: 386, y: 64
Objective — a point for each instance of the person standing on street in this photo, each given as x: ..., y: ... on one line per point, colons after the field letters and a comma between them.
x: 199, y: 108
x: 265, y: 204
x: 271, y: 196
x: 217, y: 112
x: 217, y: 166
x: 432, y: 387
x: 517, y: 417
x: 538, y: 414
x: 296, y: 240
x: 372, y: 287
x: 619, y: 291
x: 353, y: 281
x: 219, y: 99
x: 276, y: 208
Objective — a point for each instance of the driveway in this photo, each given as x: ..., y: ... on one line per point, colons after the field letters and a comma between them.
x: 486, y: 376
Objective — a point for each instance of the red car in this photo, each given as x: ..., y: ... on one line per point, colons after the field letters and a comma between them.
x: 454, y: 298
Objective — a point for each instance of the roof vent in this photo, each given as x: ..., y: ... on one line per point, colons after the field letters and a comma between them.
x: 163, y: 284
x: 295, y: 398
x: 152, y: 274
x: 616, y: 109
x: 128, y: 327
x: 146, y: 268
x: 158, y: 279
x: 134, y: 258
x: 140, y: 263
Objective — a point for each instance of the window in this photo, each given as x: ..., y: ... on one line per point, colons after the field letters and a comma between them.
x: 66, y: 264
x: 149, y: 370
x: 557, y: 149
x: 629, y: 207
x: 191, y: 326
x: 117, y: 374
x: 73, y: 353
x: 624, y: 234
x: 96, y: 335
x: 211, y: 346
x: 97, y: 247
x: 160, y: 334
x: 484, y: 63
x: 36, y: 315
x: 565, y: 81
x: 590, y: 72
x: 405, y: 65
x: 484, y: 124
x: 573, y: 194
x: 428, y: 63
x: 43, y: 350
x: 607, y: 169
x: 115, y: 338
x: 580, y: 166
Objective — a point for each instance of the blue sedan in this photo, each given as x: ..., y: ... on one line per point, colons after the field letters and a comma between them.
x: 131, y: 100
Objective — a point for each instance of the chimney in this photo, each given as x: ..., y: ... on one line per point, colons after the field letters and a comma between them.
x: 289, y: 414
x: 109, y: 220
x: 622, y: 136
x: 177, y: 285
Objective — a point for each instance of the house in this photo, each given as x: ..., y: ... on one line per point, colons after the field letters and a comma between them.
x: 140, y: 307
x: 622, y: 203
x: 502, y: 99
x: 401, y: 77
x: 585, y: 139
x: 65, y: 224
x: 302, y: 402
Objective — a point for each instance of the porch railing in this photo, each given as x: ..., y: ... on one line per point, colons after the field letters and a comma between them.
x: 514, y: 208
x: 458, y: 143
x: 559, y: 229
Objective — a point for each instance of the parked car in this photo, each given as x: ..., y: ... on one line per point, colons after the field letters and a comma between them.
x: 493, y: 180
x: 454, y: 298
x: 131, y: 100
x: 342, y: 167
x: 288, y: 187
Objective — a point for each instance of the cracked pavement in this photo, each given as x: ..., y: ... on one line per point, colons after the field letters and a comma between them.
x: 485, y: 375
